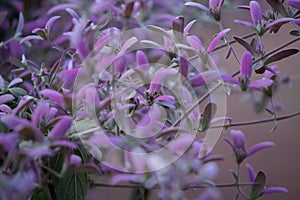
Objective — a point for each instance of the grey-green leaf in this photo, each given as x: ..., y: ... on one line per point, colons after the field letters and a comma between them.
x: 17, y: 62
x: 17, y: 91
x: 277, y: 6
x: 208, y: 114
x: 281, y: 55
x: 260, y: 182
x: 245, y: 44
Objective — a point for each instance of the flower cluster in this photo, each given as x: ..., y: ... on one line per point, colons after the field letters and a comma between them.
x: 124, y: 91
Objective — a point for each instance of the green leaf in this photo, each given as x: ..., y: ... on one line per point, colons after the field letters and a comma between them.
x: 3, y: 127
x: 40, y: 195
x: 281, y: 55
x: 260, y: 182
x: 42, y: 34
x: 73, y: 185
x: 17, y: 91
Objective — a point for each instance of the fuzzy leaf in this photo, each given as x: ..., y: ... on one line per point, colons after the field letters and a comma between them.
x: 16, y: 62
x: 3, y: 127
x: 281, y: 55
x: 209, y: 112
x: 276, y: 5
x: 295, y: 32
x: 129, y: 9
x: 245, y: 44
x: 17, y: 91
x: 258, y: 188
x: 41, y: 33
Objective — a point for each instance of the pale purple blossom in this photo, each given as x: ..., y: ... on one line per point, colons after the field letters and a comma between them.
x: 239, y: 149
x: 294, y: 3
x: 256, y: 13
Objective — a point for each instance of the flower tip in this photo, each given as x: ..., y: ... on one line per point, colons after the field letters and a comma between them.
x: 246, y: 65
x: 255, y: 12
x: 258, y: 147
x: 238, y: 138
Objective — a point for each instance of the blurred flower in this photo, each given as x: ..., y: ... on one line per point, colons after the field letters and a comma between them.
x: 255, y: 12
x: 294, y: 3
x: 245, y: 70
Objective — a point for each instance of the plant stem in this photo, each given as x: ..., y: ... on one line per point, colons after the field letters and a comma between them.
x: 258, y: 121
x: 221, y: 185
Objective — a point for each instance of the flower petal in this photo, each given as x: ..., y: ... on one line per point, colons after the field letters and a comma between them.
x: 60, y: 129
x: 258, y: 147
x: 255, y: 11
x: 54, y: 96
x: 294, y: 3
x: 246, y: 65
x: 260, y: 84
x: 6, y: 98
x: 238, y: 138
x: 214, y: 42
x: 197, y: 5
x: 274, y: 190
x: 251, y: 173
x: 142, y: 60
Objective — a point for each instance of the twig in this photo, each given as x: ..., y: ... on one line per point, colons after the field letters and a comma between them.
x: 221, y: 185
x: 258, y: 121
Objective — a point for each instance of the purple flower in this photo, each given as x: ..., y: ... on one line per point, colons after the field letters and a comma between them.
x: 75, y: 160
x: 238, y: 146
x: 60, y: 129
x: 142, y: 60
x: 272, y: 190
x: 265, y: 190
x: 8, y: 141
x: 158, y: 78
x: 255, y: 12
x: 6, y: 98
x: 294, y: 3
x: 204, y: 78
x: 54, y: 96
x: 261, y: 84
x: 246, y: 65
x: 214, y: 8
x: 245, y: 70
x: 184, y: 65
x: 214, y: 42
x: 258, y: 147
